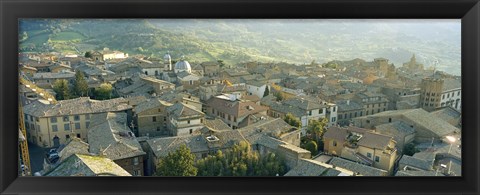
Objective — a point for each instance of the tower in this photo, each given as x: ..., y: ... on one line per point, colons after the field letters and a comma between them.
x: 167, y: 60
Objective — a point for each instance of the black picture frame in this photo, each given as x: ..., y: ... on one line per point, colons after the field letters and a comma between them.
x: 466, y: 10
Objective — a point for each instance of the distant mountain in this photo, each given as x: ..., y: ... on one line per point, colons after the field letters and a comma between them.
x: 239, y: 40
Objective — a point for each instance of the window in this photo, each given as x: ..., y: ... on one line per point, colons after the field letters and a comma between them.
x: 26, y: 117
x: 135, y: 161
x: 368, y: 121
x: 367, y: 112
x: 66, y: 127
x: 340, y: 116
x: 334, y: 108
x: 53, y: 119
x: 234, y: 119
x: 40, y: 139
x: 136, y: 173
x: 310, y: 113
x: 158, y: 128
x: 87, y: 124
x: 458, y: 93
x: 229, y: 117
x: 377, y: 159
x: 164, y: 118
x: 334, y: 119
x: 385, y: 104
x: 355, y: 114
x: 378, y: 110
x: 76, y: 118
x: 443, y: 96
x: 191, y: 82
x: 67, y: 136
x: 78, y: 135
x: 191, y: 131
x: 369, y: 155
x: 321, y: 111
x: 154, y: 119
x: 448, y: 95
x: 384, y: 109
x: 334, y: 143
x: 389, y: 120
x: 368, y: 105
x: 37, y: 119
x: 350, y: 115
x: 54, y: 128
x: 361, y: 113
x: 65, y: 119
x: 31, y: 118
x: 77, y: 125
x: 345, y: 116
x: 188, y: 122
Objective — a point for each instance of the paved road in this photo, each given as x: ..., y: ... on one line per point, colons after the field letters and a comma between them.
x: 37, y: 154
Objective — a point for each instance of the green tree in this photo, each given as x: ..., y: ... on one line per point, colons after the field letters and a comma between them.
x: 104, y: 91
x: 88, y: 54
x: 279, y: 96
x: 312, y: 147
x: 316, y: 128
x: 61, y: 89
x: 241, y: 160
x: 178, y: 163
x: 80, y: 85
x: 292, y: 120
x: 266, y: 92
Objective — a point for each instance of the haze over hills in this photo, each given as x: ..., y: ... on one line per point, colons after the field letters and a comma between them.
x: 239, y: 40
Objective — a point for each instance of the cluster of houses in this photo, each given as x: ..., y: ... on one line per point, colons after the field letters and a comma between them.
x: 374, y: 111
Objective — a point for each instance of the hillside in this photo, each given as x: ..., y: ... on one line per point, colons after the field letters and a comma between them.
x: 235, y: 41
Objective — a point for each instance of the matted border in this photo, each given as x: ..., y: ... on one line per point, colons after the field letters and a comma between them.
x: 12, y: 10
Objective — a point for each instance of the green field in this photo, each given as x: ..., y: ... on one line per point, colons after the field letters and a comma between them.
x: 67, y: 36
x: 38, y: 39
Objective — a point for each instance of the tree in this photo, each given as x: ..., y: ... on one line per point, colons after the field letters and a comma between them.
x: 80, y: 85
x: 88, y: 54
x: 279, y: 96
x: 312, y: 147
x: 316, y: 128
x: 178, y: 163
x: 61, y: 89
x: 241, y: 160
x: 292, y: 120
x: 104, y: 91
x: 266, y: 92
x: 410, y: 149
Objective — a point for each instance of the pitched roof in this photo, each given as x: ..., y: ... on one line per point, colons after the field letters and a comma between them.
x: 421, y: 118
x: 81, y: 105
x: 181, y: 110
x: 235, y: 108
x: 216, y: 124
x: 308, y: 167
x: 87, y: 165
x: 74, y: 146
x: 395, y: 128
x: 303, y: 104
x: 348, y: 105
x: 416, y: 162
x: 109, y: 135
x: 51, y: 75
x: 369, y: 138
x: 162, y: 146
x: 451, y: 84
x: 151, y: 103
x: 357, y: 167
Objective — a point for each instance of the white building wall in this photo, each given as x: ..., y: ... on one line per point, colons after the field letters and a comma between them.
x: 254, y: 90
x: 454, y: 95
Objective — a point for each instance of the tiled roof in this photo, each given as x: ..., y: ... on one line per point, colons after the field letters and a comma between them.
x: 396, y: 128
x: 74, y: 146
x: 358, y: 168
x: 421, y: 118
x: 151, y: 103
x: 343, y: 106
x: 416, y: 162
x: 308, y: 167
x: 216, y: 124
x: 451, y: 84
x: 447, y: 113
x: 51, y: 75
x: 369, y: 138
x: 180, y: 110
x: 81, y: 105
x: 286, y: 108
x: 418, y: 173
x: 109, y: 135
x: 162, y: 146
x: 87, y: 165
x: 235, y: 108
x: 303, y: 104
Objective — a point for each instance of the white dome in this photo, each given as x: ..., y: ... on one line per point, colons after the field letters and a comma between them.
x: 183, y: 65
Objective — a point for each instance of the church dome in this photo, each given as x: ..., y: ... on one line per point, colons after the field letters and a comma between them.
x: 183, y: 65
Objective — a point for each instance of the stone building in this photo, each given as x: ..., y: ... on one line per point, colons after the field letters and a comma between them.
x: 152, y: 118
